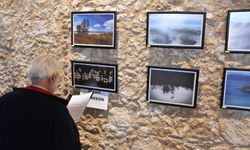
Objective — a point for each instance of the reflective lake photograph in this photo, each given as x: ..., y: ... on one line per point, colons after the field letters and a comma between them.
x: 237, y: 89
x: 169, y: 86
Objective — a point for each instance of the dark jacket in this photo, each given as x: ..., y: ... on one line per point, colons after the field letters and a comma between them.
x: 32, y: 120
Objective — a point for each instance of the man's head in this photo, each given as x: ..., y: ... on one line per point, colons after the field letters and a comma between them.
x: 45, y: 71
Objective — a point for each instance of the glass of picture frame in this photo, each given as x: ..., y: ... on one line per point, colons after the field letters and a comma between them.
x: 176, y: 29
x: 94, y: 76
x: 172, y: 86
x: 93, y: 29
x: 238, y: 31
x: 236, y: 89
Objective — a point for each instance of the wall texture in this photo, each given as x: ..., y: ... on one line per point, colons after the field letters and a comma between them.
x: 31, y: 27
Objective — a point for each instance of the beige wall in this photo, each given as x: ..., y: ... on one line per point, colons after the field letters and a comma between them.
x: 31, y: 27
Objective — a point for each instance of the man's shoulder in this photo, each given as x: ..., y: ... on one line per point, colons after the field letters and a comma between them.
x: 6, y: 95
x: 22, y: 93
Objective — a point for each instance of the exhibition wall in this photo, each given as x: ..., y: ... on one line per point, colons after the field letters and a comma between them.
x: 33, y: 27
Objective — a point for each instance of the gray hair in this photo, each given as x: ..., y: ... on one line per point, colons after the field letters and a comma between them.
x: 43, y: 67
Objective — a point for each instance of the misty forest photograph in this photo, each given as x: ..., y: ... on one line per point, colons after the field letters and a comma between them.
x: 175, y: 29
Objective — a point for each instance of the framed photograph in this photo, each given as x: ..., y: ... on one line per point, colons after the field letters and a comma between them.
x: 93, y: 29
x: 172, y: 86
x: 95, y: 76
x: 236, y: 89
x: 238, y: 31
x: 176, y: 29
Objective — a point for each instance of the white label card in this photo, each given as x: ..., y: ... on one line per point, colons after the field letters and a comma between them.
x: 98, y: 100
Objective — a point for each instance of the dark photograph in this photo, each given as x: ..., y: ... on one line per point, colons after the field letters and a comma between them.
x: 238, y: 31
x: 172, y: 86
x: 94, y: 76
x: 236, y: 93
x: 93, y: 29
x: 175, y: 29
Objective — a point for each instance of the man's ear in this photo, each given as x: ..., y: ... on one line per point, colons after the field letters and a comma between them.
x: 51, y: 80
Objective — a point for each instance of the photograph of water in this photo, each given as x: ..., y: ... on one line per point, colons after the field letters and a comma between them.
x: 170, y: 29
x: 239, y: 31
x: 172, y: 86
x: 237, y: 89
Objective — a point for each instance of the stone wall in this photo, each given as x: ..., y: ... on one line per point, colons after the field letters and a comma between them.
x: 31, y: 27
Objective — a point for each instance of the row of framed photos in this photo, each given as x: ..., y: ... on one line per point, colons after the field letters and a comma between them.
x: 164, y: 29
x: 172, y: 86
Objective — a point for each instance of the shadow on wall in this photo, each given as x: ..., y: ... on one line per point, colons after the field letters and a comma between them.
x: 97, y: 54
x: 157, y: 56
x: 161, y: 109
x: 235, y: 114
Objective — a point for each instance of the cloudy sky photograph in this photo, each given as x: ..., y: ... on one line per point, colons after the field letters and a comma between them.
x: 239, y: 31
x: 97, y: 22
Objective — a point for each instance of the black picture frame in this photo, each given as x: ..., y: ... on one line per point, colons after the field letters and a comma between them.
x: 176, y: 29
x: 95, y: 29
x: 236, y: 89
x: 172, y: 86
x: 238, y: 30
x: 94, y: 76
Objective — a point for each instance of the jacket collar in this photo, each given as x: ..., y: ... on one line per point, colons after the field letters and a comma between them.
x: 38, y: 89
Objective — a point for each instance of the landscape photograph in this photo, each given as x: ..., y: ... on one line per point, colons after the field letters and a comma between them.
x: 239, y: 31
x: 93, y: 29
x: 175, y: 30
x: 170, y: 86
x: 236, y: 92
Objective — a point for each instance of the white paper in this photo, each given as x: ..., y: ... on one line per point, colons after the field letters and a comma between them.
x: 99, y: 101
x: 77, y: 105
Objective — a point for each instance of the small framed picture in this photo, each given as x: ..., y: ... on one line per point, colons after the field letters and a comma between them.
x: 172, y: 86
x: 238, y: 31
x: 176, y: 29
x: 236, y: 89
x: 94, y: 76
x: 93, y: 29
